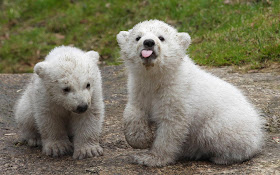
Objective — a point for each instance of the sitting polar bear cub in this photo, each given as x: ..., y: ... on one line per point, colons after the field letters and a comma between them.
x: 64, y: 99
x: 196, y: 114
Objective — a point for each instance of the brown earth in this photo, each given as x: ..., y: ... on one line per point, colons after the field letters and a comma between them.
x: 262, y: 88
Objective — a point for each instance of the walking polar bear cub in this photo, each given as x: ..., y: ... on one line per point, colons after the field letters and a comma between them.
x: 196, y: 114
x: 64, y: 99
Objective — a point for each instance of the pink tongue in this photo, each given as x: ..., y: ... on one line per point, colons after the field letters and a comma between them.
x: 146, y: 53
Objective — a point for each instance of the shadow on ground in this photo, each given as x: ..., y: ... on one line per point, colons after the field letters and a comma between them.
x: 263, y: 89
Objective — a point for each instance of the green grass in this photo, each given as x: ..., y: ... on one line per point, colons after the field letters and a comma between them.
x: 246, y: 33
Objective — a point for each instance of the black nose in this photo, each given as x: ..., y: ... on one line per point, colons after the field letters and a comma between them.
x: 149, y: 43
x: 82, y: 108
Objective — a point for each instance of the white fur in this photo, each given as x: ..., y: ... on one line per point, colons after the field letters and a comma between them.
x: 196, y: 114
x: 47, y: 114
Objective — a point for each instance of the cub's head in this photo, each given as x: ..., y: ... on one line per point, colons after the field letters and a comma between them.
x: 69, y: 75
x: 152, y: 43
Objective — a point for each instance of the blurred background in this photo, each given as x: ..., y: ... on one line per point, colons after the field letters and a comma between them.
x: 224, y: 32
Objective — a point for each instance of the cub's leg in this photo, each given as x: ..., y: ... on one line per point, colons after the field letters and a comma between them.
x: 137, y: 131
x: 87, y: 129
x: 172, y: 130
x: 26, y: 122
x: 53, y: 132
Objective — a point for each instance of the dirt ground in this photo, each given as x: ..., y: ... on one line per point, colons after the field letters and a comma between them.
x: 262, y: 88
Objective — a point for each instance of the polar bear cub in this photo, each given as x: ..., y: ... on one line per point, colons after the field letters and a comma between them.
x: 63, y: 100
x: 196, y: 114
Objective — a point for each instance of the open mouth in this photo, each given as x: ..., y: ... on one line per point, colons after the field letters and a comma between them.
x: 148, y: 57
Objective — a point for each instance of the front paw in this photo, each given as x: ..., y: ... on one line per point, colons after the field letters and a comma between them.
x: 153, y: 160
x: 88, y: 151
x: 57, y: 148
x: 139, y: 138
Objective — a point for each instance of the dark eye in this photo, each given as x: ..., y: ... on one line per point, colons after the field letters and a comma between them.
x: 161, y: 38
x: 88, y: 86
x: 67, y: 89
x: 138, y: 38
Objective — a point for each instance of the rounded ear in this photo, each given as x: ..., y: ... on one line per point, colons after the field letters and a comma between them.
x: 122, y: 37
x: 184, y: 39
x: 93, y: 55
x: 41, y: 69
